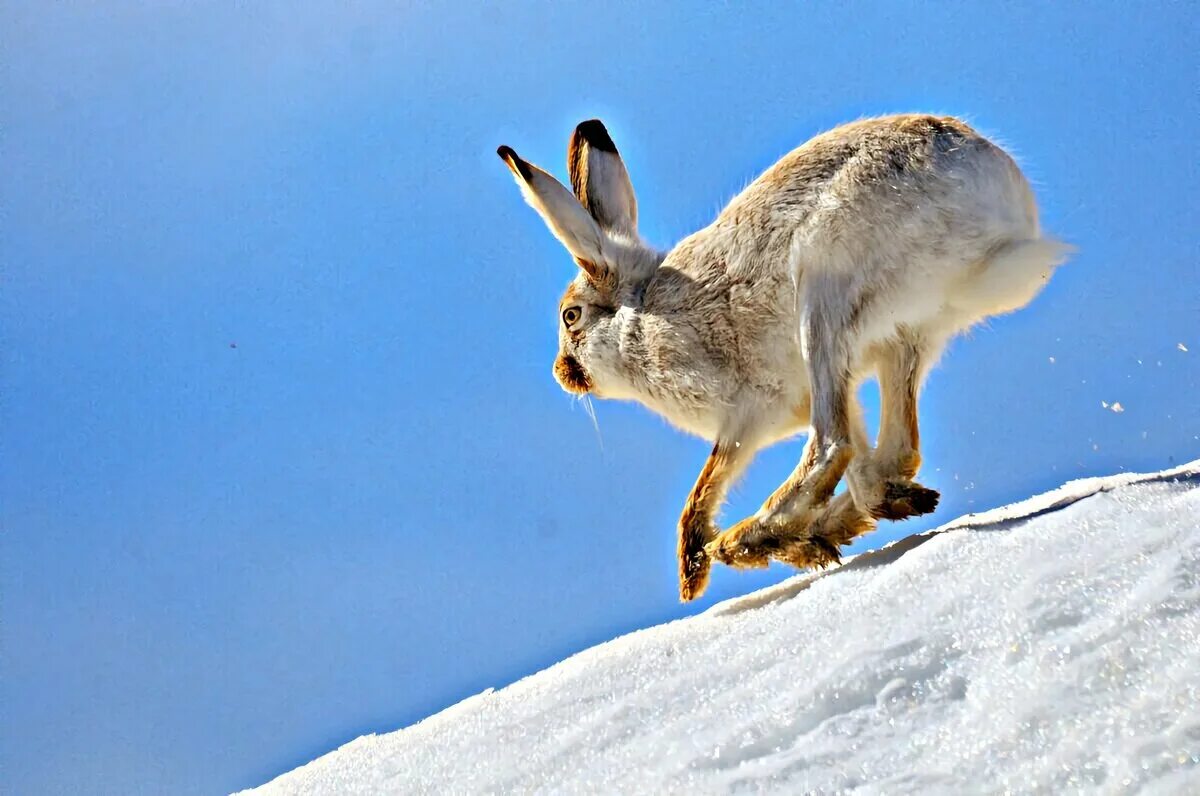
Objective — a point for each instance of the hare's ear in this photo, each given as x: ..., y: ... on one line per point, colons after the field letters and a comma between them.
x: 600, y: 180
x: 561, y: 211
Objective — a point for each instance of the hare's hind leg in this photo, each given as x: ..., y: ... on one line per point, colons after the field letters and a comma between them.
x: 837, y: 433
x: 752, y: 542
x: 882, y: 482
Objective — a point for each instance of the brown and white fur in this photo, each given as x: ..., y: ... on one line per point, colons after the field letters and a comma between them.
x: 861, y: 252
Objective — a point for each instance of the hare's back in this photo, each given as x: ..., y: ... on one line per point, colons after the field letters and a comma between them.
x: 889, y: 173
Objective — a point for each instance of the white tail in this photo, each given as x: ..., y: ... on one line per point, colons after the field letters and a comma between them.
x: 1011, y: 277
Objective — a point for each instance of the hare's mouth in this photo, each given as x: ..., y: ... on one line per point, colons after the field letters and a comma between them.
x: 571, y: 375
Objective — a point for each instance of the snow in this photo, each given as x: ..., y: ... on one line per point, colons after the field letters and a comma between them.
x: 1052, y: 645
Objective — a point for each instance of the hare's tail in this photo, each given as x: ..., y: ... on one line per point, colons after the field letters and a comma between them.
x: 1011, y: 277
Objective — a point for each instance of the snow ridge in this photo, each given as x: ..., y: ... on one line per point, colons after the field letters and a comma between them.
x: 1052, y: 645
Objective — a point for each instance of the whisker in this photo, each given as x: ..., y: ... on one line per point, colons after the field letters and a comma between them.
x: 591, y: 410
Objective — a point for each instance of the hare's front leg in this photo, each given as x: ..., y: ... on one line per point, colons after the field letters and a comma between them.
x: 696, y: 525
x: 882, y: 482
x: 837, y: 433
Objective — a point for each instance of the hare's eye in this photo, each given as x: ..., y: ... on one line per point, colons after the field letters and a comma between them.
x: 571, y: 316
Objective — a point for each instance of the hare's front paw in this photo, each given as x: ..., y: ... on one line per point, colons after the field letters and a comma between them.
x: 746, y: 545
x: 693, y: 575
x: 695, y: 529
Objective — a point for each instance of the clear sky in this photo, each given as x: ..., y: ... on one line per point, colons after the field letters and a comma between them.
x: 283, y: 462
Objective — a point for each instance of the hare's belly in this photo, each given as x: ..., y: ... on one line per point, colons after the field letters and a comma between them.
x: 762, y: 422
x: 703, y: 420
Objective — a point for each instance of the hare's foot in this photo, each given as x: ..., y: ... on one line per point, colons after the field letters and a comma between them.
x: 903, y: 499
x: 754, y: 541
x: 744, y: 545
x: 885, y: 489
x: 841, y: 521
x: 693, y: 575
x: 809, y: 551
x: 819, y: 545
x: 695, y: 530
x: 804, y: 542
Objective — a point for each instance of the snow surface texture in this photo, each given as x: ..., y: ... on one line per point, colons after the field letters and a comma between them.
x: 1050, y: 646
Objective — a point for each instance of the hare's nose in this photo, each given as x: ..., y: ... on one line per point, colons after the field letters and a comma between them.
x: 571, y: 375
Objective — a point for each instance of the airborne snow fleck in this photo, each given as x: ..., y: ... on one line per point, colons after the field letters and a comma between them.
x: 1052, y: 646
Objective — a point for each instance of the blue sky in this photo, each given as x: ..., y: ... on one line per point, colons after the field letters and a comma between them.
x: 283, y: 461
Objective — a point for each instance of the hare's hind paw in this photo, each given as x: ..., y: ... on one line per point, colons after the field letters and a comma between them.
x: 801, y: 549
x: 809, y: 552
x: 819, y: 545
x: 841, y: 522
x: 803, y: 541
x: 753, y: 542
x: 903, y: 499
x: 744, y: 545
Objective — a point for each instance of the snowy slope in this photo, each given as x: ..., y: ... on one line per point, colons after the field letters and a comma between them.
x: 1053, y: 645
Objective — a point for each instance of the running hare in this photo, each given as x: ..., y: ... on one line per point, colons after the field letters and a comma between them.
x: 861, y: 252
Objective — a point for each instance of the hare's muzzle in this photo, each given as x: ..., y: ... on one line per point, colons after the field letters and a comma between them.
x: 571, y: 375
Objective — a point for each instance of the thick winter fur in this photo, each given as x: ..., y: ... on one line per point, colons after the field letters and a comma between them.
x: 859, y: 253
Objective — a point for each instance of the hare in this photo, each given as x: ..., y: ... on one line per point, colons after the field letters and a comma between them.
x: 861, y: 252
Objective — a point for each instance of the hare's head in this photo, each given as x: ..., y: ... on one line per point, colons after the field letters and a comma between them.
x: 597, y: 223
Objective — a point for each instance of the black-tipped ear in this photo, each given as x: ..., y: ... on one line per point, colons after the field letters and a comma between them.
x: 518, y: 167
x: 561, y: 211
x: 596, y: 135
x: 600, y: 180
